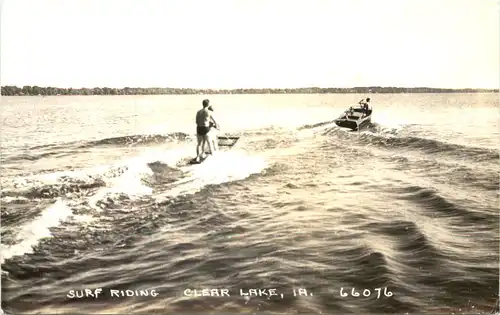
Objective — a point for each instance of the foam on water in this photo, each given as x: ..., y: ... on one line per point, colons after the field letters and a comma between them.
x: 32, y: 232
x: 130, y: 182
x: 220, y: 168
x: 9, y: 199
x: 127, y: 181
x: 388, y: 122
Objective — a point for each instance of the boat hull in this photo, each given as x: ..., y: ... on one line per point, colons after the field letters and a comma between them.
x: 365, y: 123
x: 347, y: 124
x: 353, y: 124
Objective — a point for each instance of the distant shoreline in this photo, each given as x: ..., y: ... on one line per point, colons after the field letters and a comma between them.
x: 45, y: 91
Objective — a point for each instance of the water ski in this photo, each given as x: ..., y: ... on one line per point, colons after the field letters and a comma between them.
x: 222, y: 141
x: 203, y: 158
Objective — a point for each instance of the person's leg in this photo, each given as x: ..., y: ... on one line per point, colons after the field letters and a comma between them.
x: 209, y: 142
x: 214, y: 143
x: 204, y: 147
x: 214, y: 140
x: 199, y: 147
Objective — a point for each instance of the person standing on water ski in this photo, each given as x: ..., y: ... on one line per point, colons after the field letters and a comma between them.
x: 203, y: 119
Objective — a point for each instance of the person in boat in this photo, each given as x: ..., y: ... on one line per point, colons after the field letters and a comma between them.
x: 347, y: 113
x: 365, y: 105
x: 203, y: 119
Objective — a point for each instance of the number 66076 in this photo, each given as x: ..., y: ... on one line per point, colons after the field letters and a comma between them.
x: 366, y: 292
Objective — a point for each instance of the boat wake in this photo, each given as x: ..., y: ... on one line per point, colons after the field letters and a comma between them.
x: 399, y: 138
x: 220, y: 168
x: 42, y: 202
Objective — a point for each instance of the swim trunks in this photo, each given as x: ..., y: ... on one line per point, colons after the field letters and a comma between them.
x: 202, y: 130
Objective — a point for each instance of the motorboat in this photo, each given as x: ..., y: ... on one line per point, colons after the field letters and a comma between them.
x: 354, y: 118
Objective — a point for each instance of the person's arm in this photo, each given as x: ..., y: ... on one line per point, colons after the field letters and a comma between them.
x: 215, y: 123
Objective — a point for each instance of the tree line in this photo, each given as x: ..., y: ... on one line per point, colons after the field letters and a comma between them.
x: 36, y: 90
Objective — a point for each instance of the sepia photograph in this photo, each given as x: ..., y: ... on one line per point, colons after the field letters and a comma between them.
x: 250, y: 157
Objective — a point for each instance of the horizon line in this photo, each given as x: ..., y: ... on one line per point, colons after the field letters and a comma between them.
x: 255, y: 88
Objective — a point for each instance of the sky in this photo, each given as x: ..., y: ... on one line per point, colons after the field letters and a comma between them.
x: 250, y: 43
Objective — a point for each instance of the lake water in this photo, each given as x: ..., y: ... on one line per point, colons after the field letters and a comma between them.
x: 96, y: 194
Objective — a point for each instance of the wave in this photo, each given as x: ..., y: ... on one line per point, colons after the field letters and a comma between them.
x: 434, y: 147
x: 31, y: 232
x: 60, y: 183
x: 54, y: 190
x: 130, y: 140
x: 101, y: 191
x: 320, y: 124
x: 447, y: 173
x: 36, y: 153
x: 390, y: 138
x: 224, y: 167
x: 54, y: 146
x: 81, y: 195
x: 33, y: 156
x: 139, y: 140
x: 439, y: 206
x: 152, y: 169
x: 265, y: 131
